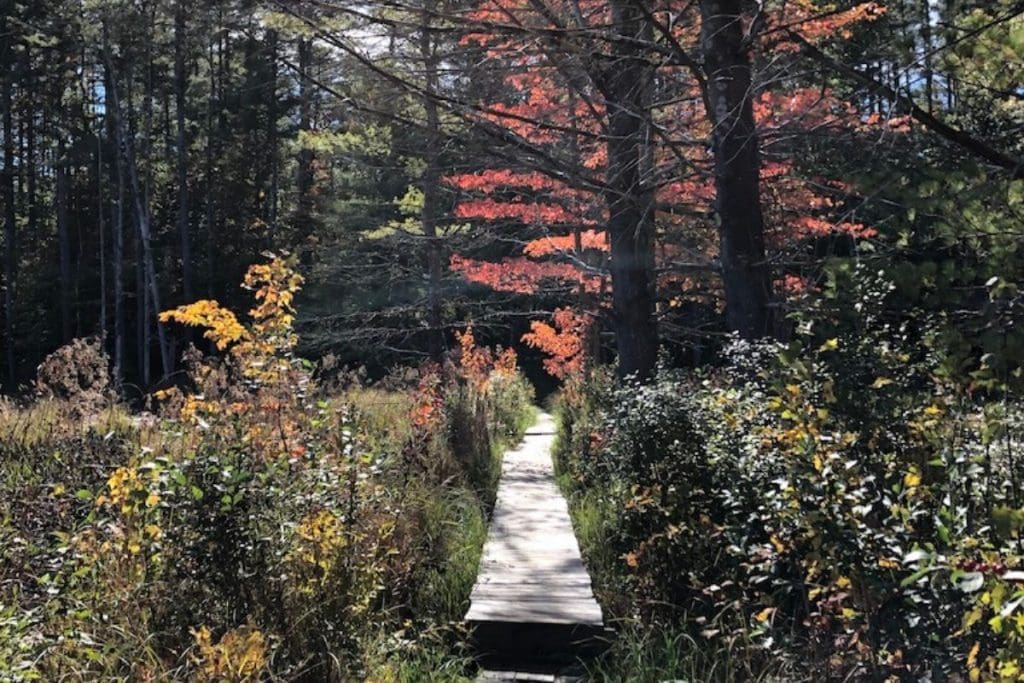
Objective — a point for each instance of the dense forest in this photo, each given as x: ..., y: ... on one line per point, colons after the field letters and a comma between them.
x: 762, y: 259
x: 451, y: 162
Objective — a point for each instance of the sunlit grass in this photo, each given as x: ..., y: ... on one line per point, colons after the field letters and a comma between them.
x: 653, y: 653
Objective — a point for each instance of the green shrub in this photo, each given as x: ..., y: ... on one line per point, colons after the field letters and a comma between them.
x: 852, y: 505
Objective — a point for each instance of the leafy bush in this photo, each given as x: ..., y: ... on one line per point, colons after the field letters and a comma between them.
x: 846, y: 506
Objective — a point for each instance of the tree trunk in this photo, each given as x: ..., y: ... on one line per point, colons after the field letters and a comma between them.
x: 117, y: 247
x: 272, y: 140
x: 63, y: 237
x: 431, y: 184
x: 209, y: 204
x: 101, y: 223
x: 10, y: 215
x: 627, y: 88
x: 745, y: 269
x: 142, y: 221
x: 307, y: 158
x: 180, y: 100
x: 926, y: 55
x: 143, y: 341
x: 32, y: 183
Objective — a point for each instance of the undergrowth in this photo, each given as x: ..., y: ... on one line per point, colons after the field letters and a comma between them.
x: 253, y: 527
x: 845, y: 506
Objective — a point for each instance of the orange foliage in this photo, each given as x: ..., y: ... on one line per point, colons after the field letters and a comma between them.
x: 817, y: 21
x: 563, y: 342
x: 794, y: 285
x: 474, y: 361
x: 489, y: 179
x: 429, y: 400
x: 521, y: 275
x: 544, y: 108
x: 533, y: 213
x: 268, y: 407
x: 479, y: 364
x: 588, y: 239
x: 808, y: 108
x: 507, y: 363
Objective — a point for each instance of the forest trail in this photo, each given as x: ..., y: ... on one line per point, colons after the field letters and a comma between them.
x: 532, y: 604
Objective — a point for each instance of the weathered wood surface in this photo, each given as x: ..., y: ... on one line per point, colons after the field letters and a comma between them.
x: 531, y: 571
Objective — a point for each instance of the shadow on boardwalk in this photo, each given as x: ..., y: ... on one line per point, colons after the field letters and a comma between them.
x: 533, y: 609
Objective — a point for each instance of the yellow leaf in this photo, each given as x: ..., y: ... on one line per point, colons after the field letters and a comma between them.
x: 881, y: 382
x: 765, y: 614
x: 843, y: 582
x: 793, y: 389
x: 830, y: 345
x: 972, y: 656
x: 911, y: 479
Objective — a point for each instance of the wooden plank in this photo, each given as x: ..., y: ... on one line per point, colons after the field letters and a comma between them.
x: 530, y: 612
x: 531, y: 570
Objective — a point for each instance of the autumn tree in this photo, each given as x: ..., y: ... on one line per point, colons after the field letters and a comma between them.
x: 561, y: 109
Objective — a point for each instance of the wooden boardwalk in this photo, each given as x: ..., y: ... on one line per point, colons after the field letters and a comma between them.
x: 533, y: 595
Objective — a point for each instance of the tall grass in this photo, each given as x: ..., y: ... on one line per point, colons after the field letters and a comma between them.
x: 54, y: 465
x: 644, y: 653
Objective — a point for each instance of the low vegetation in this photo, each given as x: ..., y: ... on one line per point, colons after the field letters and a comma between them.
x: 265, y: 521
x: 843, y: 506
